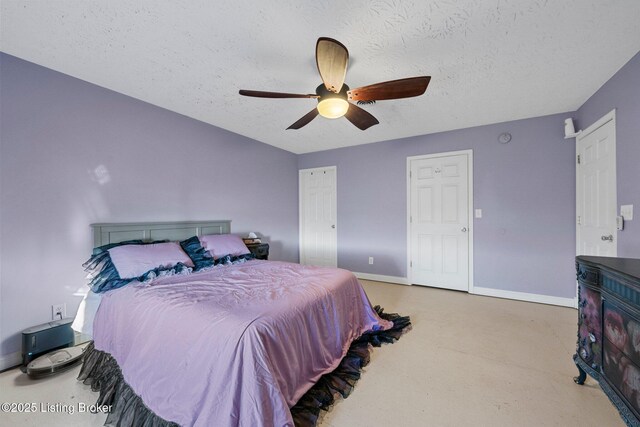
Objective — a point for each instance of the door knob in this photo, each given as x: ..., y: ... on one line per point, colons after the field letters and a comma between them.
x: 464, y: 229
x: 609, y: 238
x: 333, y: 226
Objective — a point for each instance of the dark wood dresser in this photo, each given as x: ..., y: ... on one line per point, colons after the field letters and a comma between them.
x: 609, y: 330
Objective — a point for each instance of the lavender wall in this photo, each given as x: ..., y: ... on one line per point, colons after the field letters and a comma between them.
x: 72, y: 153
x: 622, y: 92
x: 152, y: 165
x: 525, y: 241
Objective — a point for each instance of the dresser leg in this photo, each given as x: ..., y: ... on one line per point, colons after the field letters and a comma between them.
x: 581, y: 377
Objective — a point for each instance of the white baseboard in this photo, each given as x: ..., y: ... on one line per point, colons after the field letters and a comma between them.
x: 489, y: 292
x: 10, y: 360
x: 382, y: 278
x: 523, y: 296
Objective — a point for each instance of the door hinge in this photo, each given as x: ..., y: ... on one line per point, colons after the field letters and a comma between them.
x: 410, y: 263
x: 579, y: 220
x: 578, y: 158
x: 410, y: 219
x: 409, y: 174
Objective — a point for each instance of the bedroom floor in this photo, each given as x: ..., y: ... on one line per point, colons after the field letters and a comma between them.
x: 469, y: 360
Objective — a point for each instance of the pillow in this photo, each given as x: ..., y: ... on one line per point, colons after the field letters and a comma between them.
x: 199, y: 255
x: 103, y: 275
x: 220, y: 245
x: 132, y: 261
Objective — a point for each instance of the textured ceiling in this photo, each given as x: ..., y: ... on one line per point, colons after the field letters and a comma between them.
x: 490, y: 60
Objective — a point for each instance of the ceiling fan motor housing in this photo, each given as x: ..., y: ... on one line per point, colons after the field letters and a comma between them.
x: 325, y: 93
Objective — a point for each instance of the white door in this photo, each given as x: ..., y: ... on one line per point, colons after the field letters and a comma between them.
x: 596, y: 189
x: 439, y: 221
x: 318, y: 211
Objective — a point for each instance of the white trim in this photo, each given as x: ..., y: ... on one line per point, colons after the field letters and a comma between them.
x: 611, y: 115
x: 488, y: 292
x: 472, y: 225
x: 382, y: 278
x: 469, y: 154
x: 523, y: 296
x: 10, y: 360
x: 300, y: 260
x: 300, y: 210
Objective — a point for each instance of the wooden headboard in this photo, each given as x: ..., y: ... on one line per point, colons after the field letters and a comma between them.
x: 106, y: 233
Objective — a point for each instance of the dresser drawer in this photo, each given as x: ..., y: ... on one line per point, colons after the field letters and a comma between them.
x: 621, y: 353
x: 623, y: 375
x: 622, y: 331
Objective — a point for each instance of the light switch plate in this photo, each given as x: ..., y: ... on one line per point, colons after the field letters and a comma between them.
x: 478, y: 213
x: 627, y: 212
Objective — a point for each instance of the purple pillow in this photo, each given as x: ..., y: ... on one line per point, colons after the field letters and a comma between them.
x: 223, y: 244
x: 135, y: 260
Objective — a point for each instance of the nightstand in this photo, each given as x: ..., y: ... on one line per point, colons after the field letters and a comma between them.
x: 260, y: 250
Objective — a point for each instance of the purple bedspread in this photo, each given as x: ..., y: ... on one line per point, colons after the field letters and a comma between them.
x: 234, y: 346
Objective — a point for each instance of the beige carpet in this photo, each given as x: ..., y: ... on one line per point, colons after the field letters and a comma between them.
x: 469, y: 361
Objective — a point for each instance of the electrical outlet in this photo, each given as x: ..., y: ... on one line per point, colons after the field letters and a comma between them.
x: 58, y: 311
x: 370, y: 260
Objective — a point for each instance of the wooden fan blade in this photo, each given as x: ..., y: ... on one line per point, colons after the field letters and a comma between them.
x: 305, y: 119
x: 394, y: 89
x: 360, y: 118
x: 263, y: 94
x: 332, y: 59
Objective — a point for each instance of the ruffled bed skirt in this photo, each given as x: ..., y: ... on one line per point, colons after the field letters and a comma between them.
x: 102, y: 372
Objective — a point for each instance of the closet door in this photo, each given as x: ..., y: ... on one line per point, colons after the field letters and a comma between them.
x: 439, y: 222
x: 318, y: 213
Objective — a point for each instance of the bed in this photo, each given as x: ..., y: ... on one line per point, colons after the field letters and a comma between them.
x: 242, y: 343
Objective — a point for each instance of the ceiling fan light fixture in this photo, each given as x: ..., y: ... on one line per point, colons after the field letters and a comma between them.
x: 333, y: 108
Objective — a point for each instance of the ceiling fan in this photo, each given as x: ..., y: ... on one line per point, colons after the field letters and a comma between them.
x: 333, y: 96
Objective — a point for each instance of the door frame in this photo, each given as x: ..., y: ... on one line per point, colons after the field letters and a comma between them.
x: 609, y: 117
x: 469, y: 154
x: 301, y: 210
